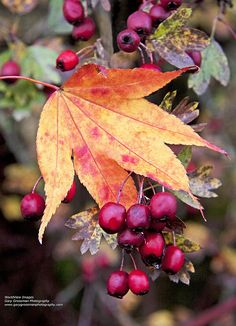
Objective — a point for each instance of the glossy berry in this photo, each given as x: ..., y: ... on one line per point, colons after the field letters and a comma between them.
x: 173, y: 260
x: 138, y: 217
x: 196, y: 56
x: 10, y: 68
x: 138, y: 282
x: 150, y: 66
x: 171, y: 4
x: 129, y: 239
x: 117, y: 284
x: 71, y: 193
x: 128, y: 40
x: 67, y: 60
x: 140, y: 22
x: 151, y: 250
x: 112, y: 217
x: 157, y: 225
x: 73, y: 11
x: 163, y: 205
x: 85, y: 30
x: 158, y: 14
x: 32, y: 207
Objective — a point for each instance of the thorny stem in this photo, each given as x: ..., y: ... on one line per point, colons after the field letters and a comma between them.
x: 35, y: 81
x: 133, y: 261
x: 36, y: 184
x: 122, y: 259
x: 122, y: 186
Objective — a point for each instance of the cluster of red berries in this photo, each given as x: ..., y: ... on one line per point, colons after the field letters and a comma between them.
x: 33, y: 205
x: 140, y: 228
x: 10, y: 68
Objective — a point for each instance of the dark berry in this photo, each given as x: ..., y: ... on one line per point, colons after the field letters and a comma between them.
x: 85, y: 30
x: 151, y: 250
x: 171, y: 4
x: 71, y: 193
x: 32, y: 207
x: 173, y: 260
x: 117, y: 284
x: 140, y: 22
x: 158, y: 14
x: 150, y: 66
x: 138, y: 217
x: 138, y: 282
x: 128, y: 40
x: 163, y: 205
x: 128, y: 239
x: 156, y: 225
x: 73, y: 11
x: 112, y: 217
x: 67, y: 60
x: 196, y: 56
x: 10, y: 68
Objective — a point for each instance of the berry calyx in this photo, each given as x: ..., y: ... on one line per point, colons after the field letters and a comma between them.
x: 156, y: 225
x: 150, y: 66
x: 85, y: 30
x: 129, y: 239
x: 138, y: 217
x: 73, y: 11
x: 140, y: 22
x: 10, y: 68
x: 128, y: 40
x: 158, y: 14
x: 67, y: 60
x: 163, y: 205
x: 32, y: 207
x: 70, y: 194
x: 117, y: 284
x: 138, y: 282
x: 173, y: 260
x: 171, y: 4
x: 112, y: 217
x: 151, y: 250
x: 196, y: 56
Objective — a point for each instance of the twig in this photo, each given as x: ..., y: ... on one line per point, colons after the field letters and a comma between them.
x: 35, y: 81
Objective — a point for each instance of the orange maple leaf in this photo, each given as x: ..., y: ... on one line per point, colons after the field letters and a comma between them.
x: 103, y: 121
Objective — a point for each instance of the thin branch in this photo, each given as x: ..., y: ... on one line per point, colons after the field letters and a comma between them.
x: 35, y: 81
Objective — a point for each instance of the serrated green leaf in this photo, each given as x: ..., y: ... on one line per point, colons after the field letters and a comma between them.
x: 167, y: 102
x: 56, y: 20
x: 172, y: 39
x: 186, y: 245
x: 89, y: 231
x: 187, y: 199
x: 214, y: 64
x: 185, y: 155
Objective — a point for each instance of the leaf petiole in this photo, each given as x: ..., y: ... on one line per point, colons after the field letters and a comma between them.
x: 35, y: 81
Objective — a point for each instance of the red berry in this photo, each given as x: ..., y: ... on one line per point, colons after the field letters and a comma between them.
x: 171, y: 4
x: 151, y: 250
x: 32, y: 207
x: 140, y: 22
x: 112, y: 217
x: 138, y: 217
x: 117, y: 284
x: 67, y: 60
x: 163, y: 205
x: 138, y: 282
x: 71, y: 193
x: 85, y: 30
x: 73, y: 11
x: 128, y: 239
x: 150, y: 66
x: 88, y: 268
x: 156, y: 225
x: 173, y: 260
x: 128, y: 40
x: 196, y: 56
x: 158, y: 14
x: 10, y: 68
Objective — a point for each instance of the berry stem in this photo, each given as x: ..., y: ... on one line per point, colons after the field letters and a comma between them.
x: 140, y: 193
x: 163, y: 189
x: 35, y: 81
x: 149, y: 53
x: 122, y: 187
x: 133, y: 261
x: 142, y: 55
x: 85, y: 51
x: 36, y: 184
x: 174, y: 238
x: 86, y: 8
x: 228, y: 26
x: 151, y: 187
x: 122, y: 259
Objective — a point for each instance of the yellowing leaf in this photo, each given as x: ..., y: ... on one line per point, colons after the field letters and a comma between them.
x: 101, y: 120
x: 186, y: 245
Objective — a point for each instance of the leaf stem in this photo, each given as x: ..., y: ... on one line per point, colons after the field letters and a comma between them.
x: 35, y: 81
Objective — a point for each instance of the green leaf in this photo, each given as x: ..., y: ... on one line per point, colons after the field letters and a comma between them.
x: 172, y: 39
x: 187, y: 199
x: 39, y: 62
x: 89, y: 231
x: 201, y: 184
x: 5, y: 56
x: 185, y: 155
x: 167, y: 102
x: 214, y: 64
x: 56, y: 20
x: 186, y: 245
